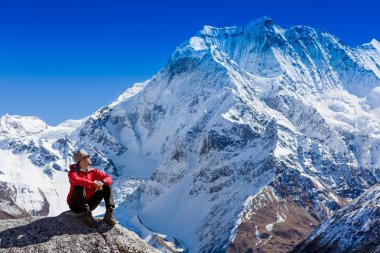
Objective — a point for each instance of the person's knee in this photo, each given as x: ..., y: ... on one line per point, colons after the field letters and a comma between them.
x: 76, y: 210
x: 107, y: 187
x: 78, y: 188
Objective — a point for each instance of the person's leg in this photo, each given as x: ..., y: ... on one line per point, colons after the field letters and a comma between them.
x: 108, y: 197
x: 77, y: 202
x: 95, y: 200
x: 109, y: 218
x: 106, y: 194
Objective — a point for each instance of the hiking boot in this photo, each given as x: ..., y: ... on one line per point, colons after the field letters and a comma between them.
x: 109, y: 218
x: 89, y: 220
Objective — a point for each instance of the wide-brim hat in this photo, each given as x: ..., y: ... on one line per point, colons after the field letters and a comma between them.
x: 79, y: 155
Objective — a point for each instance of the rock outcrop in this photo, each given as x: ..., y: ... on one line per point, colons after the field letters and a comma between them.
x: 9, y: 209
x: 67, y: 233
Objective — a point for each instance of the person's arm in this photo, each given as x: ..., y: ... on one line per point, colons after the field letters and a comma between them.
x: 103, y: 177
x: 76, y: 180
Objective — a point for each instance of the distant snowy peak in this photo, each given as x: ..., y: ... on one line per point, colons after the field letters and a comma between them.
x: 72, y: 123
x: 257, y: 26
x: 211, y: 37
x: 375, y: 44
x: 263, y: 23
x: 369, y: 56
x: 34, y: 159
x: 131, y: 92
x: 31, y: 127
x: 63, y: 130
x: 309, y: 58
x: 21, y: 125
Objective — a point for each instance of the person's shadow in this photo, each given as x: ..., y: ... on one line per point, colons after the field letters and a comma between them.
x: 28, y: 231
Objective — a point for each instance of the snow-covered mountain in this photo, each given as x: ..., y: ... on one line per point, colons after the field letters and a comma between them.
x: 34, y: 161
x: 355, y: 228
x: 245, y: 140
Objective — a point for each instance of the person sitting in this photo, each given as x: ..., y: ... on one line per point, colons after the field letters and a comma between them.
x: 88, y: 187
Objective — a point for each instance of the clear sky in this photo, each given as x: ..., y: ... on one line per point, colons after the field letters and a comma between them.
x: 64, y: 59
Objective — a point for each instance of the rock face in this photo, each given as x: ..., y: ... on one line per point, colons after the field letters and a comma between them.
x: 280, y: 221
x: 66, y: 233
x: 8, y: 206
x: 355, y: 228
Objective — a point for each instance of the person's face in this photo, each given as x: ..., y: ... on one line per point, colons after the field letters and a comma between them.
x: 85, y: 162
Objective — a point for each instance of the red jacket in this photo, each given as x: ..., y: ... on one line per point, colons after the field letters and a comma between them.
x: 86, y: 179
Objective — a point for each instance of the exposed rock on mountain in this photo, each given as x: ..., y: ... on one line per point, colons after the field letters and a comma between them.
x: 355, y: 228
x: 8, y: 206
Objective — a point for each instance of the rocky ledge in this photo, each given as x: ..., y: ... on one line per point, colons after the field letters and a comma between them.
x: 67, y: 233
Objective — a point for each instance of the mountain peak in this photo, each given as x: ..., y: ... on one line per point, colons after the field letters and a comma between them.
x: 263, y: 22
x: 304, y: 31
x: 375, y: 43
x: 210, y: 30
x: 22, y: 124
x: 231, y: 38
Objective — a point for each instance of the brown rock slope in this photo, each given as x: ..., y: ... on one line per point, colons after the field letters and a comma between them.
x: 354, y: 229
x: 273, y: 224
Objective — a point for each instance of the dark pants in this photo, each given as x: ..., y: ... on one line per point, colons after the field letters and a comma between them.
x: 79, y: 204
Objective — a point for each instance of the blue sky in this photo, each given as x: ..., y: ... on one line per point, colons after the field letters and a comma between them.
x: 65, y: 59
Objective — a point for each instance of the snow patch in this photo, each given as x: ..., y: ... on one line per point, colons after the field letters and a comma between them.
x: 269, y: 227
x: 198, y: 44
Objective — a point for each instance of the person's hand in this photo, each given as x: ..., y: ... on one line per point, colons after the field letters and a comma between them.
x: 98, y: 185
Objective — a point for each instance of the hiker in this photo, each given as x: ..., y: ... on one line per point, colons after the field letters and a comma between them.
x: 88, y: 186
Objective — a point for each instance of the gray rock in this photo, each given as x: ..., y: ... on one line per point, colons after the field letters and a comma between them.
x: 67, y: 233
